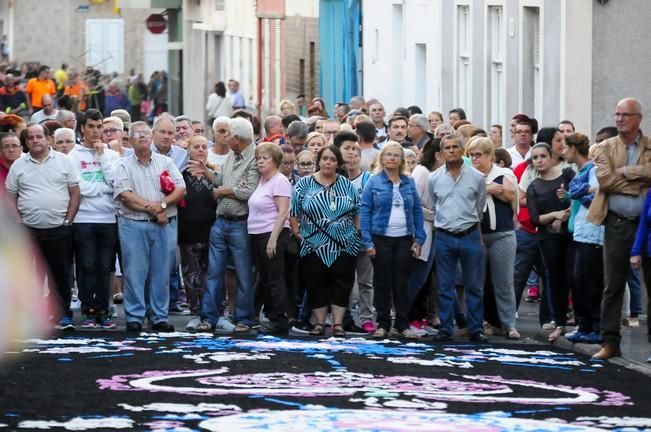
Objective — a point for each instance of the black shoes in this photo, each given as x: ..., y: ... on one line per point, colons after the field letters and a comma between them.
x: 441, y: 337
x: 163, y: 327
x: 272, y: 328
x: 478, y: 338
x: 134, y: 326
x: 353, y: 329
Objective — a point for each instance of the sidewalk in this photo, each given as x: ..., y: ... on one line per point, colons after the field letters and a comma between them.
x: 635, y: 346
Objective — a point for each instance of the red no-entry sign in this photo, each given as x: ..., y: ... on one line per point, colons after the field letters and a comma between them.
x: 156, y: 23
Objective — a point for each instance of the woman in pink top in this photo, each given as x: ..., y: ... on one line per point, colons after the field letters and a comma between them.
x: 268, y: 226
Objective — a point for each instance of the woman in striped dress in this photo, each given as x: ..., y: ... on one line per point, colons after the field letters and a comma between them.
x: 325, y: 206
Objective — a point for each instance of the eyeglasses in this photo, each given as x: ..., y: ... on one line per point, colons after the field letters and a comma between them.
x: 111, y: 131
x: 476, y: 155
x: 289, y: 163
x: 10, y: 146
x: 140, y: 134
x: 64, y: 142
x: 625, y: 115
x: 305, y: 164
x: 522, y: 132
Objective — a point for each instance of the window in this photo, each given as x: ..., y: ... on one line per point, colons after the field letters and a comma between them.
x: 495, y: 64
x: 398, y: 44
x: 420, y: 75
x: 531, y: 62
x: 105, y: 45
x: 463, y: 57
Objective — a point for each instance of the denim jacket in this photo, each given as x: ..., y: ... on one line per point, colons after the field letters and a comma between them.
x: 377, y: 200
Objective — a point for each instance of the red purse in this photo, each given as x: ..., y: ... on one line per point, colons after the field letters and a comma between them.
x: 167, y: 185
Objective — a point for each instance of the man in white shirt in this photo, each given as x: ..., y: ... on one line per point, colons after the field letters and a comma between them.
x: 95, y: 231
x: 47, y: 113
x: 43, y: 187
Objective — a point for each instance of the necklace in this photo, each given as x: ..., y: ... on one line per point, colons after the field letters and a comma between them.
x: 333, y: 202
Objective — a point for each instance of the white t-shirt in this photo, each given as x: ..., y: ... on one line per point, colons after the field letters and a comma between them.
x: 214, y: 158
x: 368, y: 157
x: 262, y: 207
x: 516, y: 157
x: 397, y: 226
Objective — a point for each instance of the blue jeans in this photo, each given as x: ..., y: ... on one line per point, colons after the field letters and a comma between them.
x: 225, y: 237
x: 420, y: 270
x: 175, y: 277
x: 468, y: 251
x: 146, y: 262
x: 633, y: 280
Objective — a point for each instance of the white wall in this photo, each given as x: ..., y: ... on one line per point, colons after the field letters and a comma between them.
x: 240, y: 46
x: 392, y: 58
x: 393, y: 42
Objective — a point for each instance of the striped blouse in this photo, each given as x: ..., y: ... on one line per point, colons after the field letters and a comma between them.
x: 327, y: 217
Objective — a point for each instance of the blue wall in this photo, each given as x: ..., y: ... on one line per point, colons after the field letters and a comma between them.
x: 339, y: 47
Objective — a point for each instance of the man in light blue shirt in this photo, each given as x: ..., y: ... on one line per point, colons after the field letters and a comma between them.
x: 458, y: 196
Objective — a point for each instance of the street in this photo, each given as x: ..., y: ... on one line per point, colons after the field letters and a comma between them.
x: 98, y: 380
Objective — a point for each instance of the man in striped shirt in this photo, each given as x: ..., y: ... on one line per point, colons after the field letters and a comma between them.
x: 145, y: 225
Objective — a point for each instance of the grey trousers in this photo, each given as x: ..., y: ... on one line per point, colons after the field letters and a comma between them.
x: 363, y: 289
x: 499, y: 254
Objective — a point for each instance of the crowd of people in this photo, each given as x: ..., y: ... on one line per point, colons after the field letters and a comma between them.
x: 407, y: 225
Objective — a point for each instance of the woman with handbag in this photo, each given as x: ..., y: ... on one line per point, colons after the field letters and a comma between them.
x: 325, y: 206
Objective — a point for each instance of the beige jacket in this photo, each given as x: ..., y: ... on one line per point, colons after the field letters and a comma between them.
x: 610, y: 155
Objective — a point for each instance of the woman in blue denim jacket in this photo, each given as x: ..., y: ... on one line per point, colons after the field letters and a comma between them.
x: 391, y: 221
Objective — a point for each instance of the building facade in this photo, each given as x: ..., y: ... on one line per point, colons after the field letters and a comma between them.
x: 552, y: 59
x: 82, y: 34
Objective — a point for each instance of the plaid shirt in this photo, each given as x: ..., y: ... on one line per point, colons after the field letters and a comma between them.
x: 240, y: 172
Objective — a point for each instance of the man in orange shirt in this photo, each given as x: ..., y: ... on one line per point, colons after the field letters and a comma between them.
x: 37, y: 87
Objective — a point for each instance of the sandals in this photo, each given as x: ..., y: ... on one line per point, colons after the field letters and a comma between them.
x: 556, y: 334
x: 338, y: 330
x: 318, y: 330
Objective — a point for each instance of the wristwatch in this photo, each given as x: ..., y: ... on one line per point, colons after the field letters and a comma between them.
x: 163, y: 205
x: 67, y: 222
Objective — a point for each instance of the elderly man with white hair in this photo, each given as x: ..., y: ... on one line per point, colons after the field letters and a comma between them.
x: 64, y: 140
x: 234, y: 184
x: 220, y: 149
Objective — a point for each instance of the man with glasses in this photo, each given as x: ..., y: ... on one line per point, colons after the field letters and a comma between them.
x: 95, y: 233
x: 113, y: 135
x: 146, y: 223
x: 522, y: 139
x: 297, y: 135
x: 623, y: 171
x: 330, y: 129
